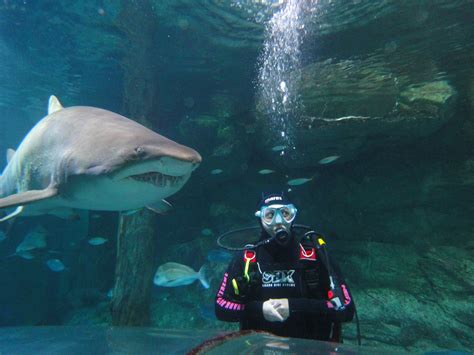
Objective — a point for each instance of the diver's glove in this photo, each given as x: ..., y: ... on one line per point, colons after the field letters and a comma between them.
x: 282, y: 307
x: 270, y: 313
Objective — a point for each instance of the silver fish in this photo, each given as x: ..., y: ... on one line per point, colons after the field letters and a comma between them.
x: 300, y: 181
x: 36, y: 239
x: 173, y: 274
x: 207, y: 232
x: 329, y: 159
x: 25, y: 255
x: 55, y: 265
x: 279, y: 148
x: 97, y: 241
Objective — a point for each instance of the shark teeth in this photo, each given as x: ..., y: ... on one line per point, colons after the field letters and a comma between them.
x: 157, y: 179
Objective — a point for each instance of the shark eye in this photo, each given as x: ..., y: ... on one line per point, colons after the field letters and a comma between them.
x: 140, y: 151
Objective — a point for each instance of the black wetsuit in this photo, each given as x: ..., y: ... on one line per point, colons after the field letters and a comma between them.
x: 282, y: 272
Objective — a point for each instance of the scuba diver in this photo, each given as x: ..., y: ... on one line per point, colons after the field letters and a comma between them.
x: 283, y: 285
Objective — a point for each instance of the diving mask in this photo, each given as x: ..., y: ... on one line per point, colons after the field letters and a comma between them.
x: 277, y: 214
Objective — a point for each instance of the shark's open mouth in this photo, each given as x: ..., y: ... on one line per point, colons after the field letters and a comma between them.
x: 157, y: 179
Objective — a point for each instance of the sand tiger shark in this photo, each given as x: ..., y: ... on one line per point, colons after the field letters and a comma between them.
x: 88, y: 158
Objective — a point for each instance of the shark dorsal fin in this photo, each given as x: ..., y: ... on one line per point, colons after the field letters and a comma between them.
x: 10, y: 154
x: 54, y: 105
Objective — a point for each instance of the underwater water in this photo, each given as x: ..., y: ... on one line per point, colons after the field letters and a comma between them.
x: 361, y: 111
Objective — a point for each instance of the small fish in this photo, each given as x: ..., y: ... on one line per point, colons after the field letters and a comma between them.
x: 329, y: 159
x: 110, y: 294
x: 219, y: 256
x: 216, y: 171
x: 97, y: 241
x: 3, y: 236
x: 207, y: 232
x: 173, y: 274
x: 36, y: 239
x: 25, y: 255
x: 300, y: 181
x: 266, y: 171
x: 55, y: 265
x: 278, y: 148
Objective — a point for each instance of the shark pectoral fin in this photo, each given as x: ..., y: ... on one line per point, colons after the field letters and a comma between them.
x: 54, y: 105
x: 161, y: 207
x: 24, y: 198
x: 13, y: 214
x: 10, y: 154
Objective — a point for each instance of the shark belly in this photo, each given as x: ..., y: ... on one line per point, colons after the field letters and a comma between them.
x: 104, y: 193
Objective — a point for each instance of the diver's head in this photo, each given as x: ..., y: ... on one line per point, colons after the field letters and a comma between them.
x: 276, y: 215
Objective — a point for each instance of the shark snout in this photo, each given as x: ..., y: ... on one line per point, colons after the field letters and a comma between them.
x: 190, y: 155
x: 172, y: 151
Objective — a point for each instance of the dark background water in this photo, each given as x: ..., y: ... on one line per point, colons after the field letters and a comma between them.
x: 396, y: 208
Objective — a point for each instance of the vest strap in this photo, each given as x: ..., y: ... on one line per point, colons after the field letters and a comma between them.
x: 307, y: 253
x: 250, y: 256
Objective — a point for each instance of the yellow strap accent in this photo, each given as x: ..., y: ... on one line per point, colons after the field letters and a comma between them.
x: 321, y: 241
x: 236, y: 287
x: 246, y: 270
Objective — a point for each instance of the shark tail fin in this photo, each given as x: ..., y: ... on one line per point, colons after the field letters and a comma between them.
x: 54, y: 105
x: 15, y: 213
x: 202, y: 277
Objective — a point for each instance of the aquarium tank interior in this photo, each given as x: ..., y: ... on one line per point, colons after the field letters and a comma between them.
x: 137, y: 133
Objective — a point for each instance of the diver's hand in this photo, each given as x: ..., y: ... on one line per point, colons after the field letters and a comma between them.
x: 282, y: 307
x: 270, y: 313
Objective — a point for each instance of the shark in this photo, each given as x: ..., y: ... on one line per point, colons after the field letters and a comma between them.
x: 89, y: 158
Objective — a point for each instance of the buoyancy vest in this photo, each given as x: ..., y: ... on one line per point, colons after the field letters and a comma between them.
x: 306, y: 277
